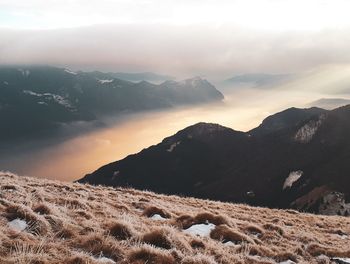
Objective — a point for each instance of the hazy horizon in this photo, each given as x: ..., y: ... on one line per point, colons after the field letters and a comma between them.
x: 212, y: 39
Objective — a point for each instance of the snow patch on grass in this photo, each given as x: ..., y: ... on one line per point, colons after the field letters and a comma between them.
x: 105, y: 260
x: 200, y: 229
x: 18, y: 225
x: 157, y: 217
x: 287, y: 262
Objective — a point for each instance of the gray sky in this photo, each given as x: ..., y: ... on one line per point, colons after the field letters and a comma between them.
x: 216, y: 39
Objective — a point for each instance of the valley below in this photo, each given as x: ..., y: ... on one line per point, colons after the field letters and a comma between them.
x: 65, y: 157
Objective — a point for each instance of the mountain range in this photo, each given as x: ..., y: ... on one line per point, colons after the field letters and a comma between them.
x: 298, y: 158
x: 35, y: 100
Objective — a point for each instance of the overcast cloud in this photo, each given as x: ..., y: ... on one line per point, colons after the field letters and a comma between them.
x: 215, y: 39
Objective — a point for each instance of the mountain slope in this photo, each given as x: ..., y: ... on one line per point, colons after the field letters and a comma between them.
x: 44, y: 221
x: 279, y: 164
x: 36, y: 99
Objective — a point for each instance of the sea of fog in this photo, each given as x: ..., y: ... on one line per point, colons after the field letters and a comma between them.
x: 242, y: 109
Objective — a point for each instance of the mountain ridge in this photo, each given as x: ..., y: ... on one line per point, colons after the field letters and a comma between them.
x: 211, y: 161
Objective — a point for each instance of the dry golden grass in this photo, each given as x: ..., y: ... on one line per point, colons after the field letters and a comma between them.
x: 74, y: 223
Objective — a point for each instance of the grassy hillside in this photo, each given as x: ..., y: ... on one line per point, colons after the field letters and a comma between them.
x: 44, y: 221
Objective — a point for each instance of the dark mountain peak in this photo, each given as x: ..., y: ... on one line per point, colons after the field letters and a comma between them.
x: 204, y: 132
x: 203, y: 128
x: 288, y: 118
x: 284, y: 164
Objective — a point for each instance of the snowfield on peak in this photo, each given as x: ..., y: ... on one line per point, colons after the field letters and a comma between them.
x: 307, y: 132
x: 173, y: 146
x: 49, y: 96
x: 105, y: 81
x: 70, y: 72
x: 292, y: 178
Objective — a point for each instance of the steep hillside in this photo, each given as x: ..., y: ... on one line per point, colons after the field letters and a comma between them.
x: 34, y: 100
x: 298, y: 158
x: 44, y: 221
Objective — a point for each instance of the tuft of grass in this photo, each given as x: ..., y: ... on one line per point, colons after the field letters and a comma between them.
x: 186, y: 221
x: 197, y: 244
x: 120, y: 231
x: 99, y: 245
x: 157, y: 238
x: 225, y: 234
x: 202, y: 218
x: 272, y: 227
x: 42, y: 209
x: 198, y: 259
x: 152, y: 210
x: 253, y: 229
x: 149, y: 255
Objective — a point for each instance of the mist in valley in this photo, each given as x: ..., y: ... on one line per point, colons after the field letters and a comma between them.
x: 84, y: 147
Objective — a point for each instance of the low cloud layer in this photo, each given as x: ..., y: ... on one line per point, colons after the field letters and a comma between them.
x: 211, y: 51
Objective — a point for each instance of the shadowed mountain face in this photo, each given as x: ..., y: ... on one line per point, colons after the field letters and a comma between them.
x: 298, y: 158
x: 35, y: 100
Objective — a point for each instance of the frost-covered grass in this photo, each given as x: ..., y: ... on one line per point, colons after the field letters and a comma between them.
x: 44, y: 221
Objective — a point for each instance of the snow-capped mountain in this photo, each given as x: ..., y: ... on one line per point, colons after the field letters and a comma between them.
x: 36, y: 99
x: 297, y: 158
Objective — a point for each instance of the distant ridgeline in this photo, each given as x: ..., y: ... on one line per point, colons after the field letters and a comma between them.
x: 34, y: 100
x: 298, y: 158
